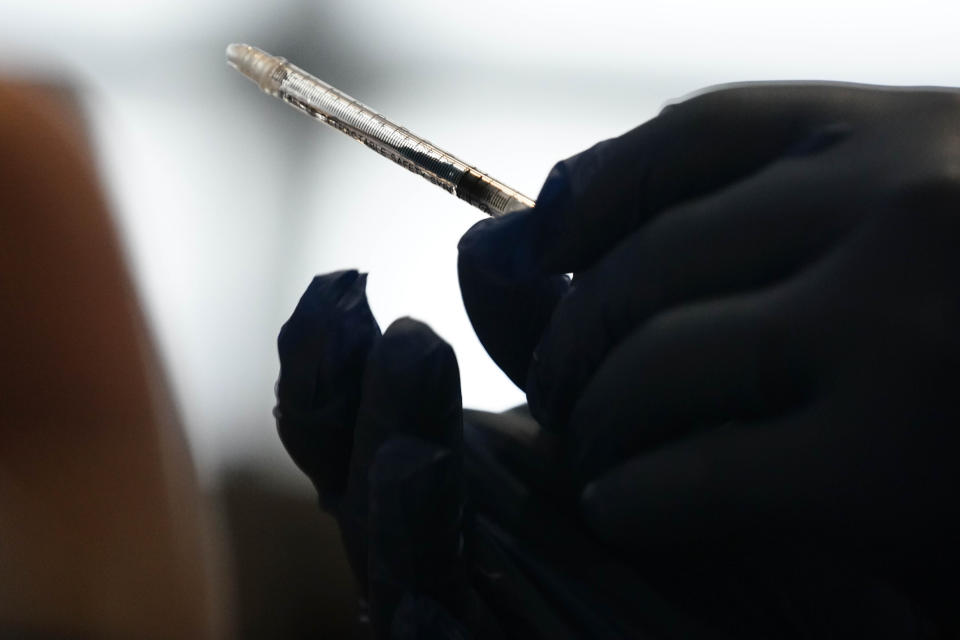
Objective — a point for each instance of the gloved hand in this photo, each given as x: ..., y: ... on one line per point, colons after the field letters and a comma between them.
x: 411, y: 402
x: 760, y: 343
x: 452, y: 531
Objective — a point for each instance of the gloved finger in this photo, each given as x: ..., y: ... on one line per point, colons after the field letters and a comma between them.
x: 548, y: 586
x: 415, y: 526
x: 411, y: 386
x: 751, y: 235
x: 591, y: 201
x: 508, y: 312
x: 323, y: 348
x: 732, y: 485
x: 510, y: 593
x: 514, y: 442
x: 594, y: 594
x: 703, y: 364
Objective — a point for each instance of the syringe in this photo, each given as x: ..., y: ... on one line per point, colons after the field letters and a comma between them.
x: 319, y: 100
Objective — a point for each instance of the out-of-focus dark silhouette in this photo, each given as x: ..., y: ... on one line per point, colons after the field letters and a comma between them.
x: 291, y: 578
x: 104, y: 529
x: 102, y: 532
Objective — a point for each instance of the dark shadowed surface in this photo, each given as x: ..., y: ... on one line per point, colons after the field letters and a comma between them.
x: 291, y: 575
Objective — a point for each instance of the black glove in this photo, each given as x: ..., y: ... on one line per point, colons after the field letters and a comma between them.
x: 452, y: 532
x: 749, y: 266
x: 760, y: 342
x: 411, y: 399
x: 759, y: 349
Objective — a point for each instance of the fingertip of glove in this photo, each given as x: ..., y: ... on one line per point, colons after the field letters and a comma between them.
x: 326, y: 339
x: 335, y: 299
x: 504, y: 248
x: 412, y: 384
x: 342, y: 289
x: 475, y: 236
x: 411, y: 346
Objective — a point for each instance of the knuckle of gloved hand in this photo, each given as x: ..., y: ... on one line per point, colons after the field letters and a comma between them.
x: 556, y: 188
x: 941, y: 104
x: 548, y: 396
x: 572, y: 180
x: 597, y: 439
x: 415, y: 486
x: 568, y: 352
x: 710, y: 100
x: 929, y: 190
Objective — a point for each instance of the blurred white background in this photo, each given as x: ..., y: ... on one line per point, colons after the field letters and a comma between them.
x: 230, y: 202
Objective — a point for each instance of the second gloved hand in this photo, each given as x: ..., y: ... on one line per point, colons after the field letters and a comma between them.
x: 453, y: 529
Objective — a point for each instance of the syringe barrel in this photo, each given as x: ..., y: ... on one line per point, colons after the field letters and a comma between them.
x: 324, y: 102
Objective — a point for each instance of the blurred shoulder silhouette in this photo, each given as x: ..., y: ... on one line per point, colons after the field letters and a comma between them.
x: 101, y: 532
